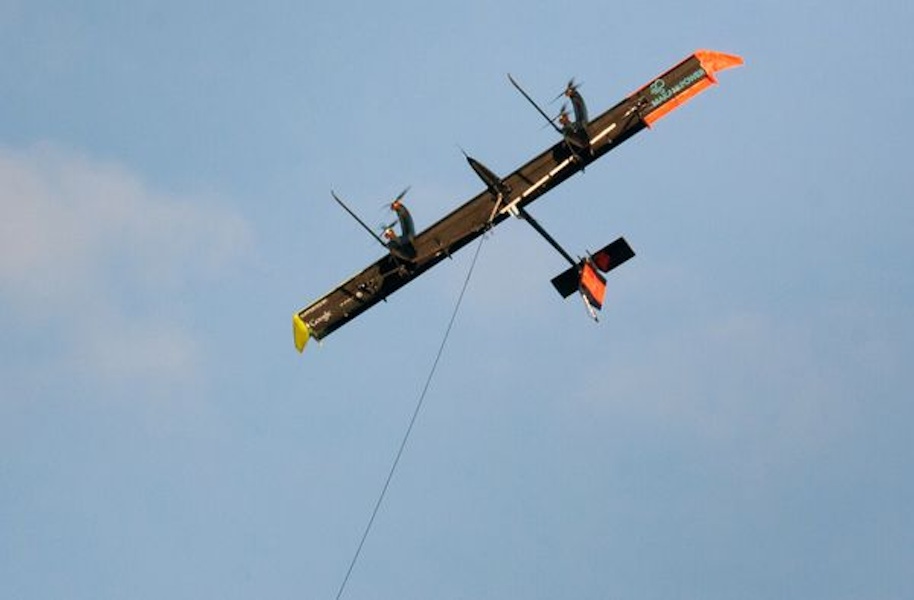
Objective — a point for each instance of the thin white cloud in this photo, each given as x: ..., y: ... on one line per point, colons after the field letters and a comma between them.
x: 92, y: 254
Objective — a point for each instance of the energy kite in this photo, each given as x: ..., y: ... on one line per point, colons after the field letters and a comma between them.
x: 409, y: 254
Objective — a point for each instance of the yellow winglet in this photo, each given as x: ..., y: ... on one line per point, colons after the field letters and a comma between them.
x: 302, y: 332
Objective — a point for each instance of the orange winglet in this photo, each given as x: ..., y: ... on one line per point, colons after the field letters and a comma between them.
x: 714, y: 62
x: 711, y: 63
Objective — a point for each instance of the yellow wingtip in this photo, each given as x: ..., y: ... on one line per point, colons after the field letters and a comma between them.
x: 301, y: 331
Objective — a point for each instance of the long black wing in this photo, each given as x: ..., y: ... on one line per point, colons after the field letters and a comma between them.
x: 527, y: 183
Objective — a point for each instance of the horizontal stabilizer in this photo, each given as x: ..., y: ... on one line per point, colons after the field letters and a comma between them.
x: 613, y: 255
x: 566, y: 283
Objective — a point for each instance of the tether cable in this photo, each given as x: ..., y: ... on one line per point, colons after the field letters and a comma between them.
x: 412, y: 422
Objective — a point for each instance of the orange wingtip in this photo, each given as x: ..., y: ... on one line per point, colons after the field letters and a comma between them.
x: 714, y: 62
x: 711, y: 62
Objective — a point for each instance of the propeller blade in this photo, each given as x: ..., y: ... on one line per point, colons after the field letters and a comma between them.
x: 563, y: 112
x: 557, y: 118
x: 403, y: 193
x: 571, y: 86
x: 399, y: 197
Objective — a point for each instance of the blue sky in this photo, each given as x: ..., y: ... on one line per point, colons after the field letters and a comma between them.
x: 735, y: 426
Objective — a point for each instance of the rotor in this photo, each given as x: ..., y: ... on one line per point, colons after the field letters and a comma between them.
x: 399, y: 197
x: 383, y: 227
x: 570, y: 89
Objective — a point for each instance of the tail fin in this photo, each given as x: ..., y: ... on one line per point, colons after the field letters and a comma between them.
x: 593, y: 286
